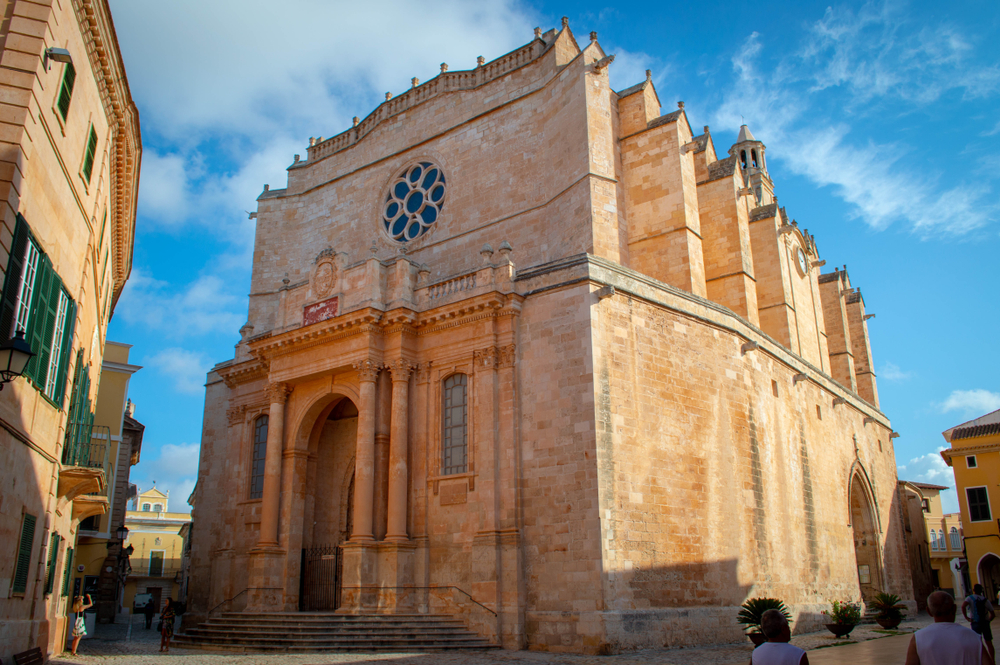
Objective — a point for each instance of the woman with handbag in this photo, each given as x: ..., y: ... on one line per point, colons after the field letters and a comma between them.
x: 167, y: 625
x: 79, y: 623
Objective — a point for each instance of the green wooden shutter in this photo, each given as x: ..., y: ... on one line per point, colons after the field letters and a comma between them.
x: 65, y: 351
x: 39, y: 322
x: 66, y: 89
x: 24, y: 554
x: 12, y: 280
x: 50, y: 568
x: 68, y: 575
x: 88, y: 159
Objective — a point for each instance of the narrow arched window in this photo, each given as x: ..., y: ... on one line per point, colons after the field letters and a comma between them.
x: 933, y: 539
x: 753, y: 158
x: 158, y: 508
x: 743, y: 158
x: 455, y: 449
x: 145, y: 507
x: 259, y: 454
x: 942, y: 543
x: 956, y: 540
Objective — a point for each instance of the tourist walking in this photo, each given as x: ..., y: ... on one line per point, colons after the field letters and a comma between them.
x: 149, y: 609
x: 79, y: 622
x: 944, y: 642
x: 777, y: 650
x: 167, y: 625
x: 982, y: 615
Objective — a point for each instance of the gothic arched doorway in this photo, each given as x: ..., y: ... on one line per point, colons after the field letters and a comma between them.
x: 989, y: 574
x: 866, y: 541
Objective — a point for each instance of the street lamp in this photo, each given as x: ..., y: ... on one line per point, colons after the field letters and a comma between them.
x: 14, y: 356
x: 122, y: 533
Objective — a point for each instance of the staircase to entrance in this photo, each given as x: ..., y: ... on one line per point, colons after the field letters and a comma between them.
x: 305, y: 632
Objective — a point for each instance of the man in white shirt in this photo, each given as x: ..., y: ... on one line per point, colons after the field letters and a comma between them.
x: 777, y: 650
x: 944, y: 642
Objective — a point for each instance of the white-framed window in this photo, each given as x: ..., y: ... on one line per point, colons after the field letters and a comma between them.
x: 158, y: 508
x: 145, y: 507
x: 23, y: 308
x: 956, y: 540
x: 942, y: 543
x: 970, y: 462
x: 979, y: 504
x: 934, y: 543
x: 55, y: 357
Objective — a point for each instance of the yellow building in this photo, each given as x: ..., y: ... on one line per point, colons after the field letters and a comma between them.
x: 158, y: 548
x: 99, y: 551
x: 69, y: 168
x: 975, y: 458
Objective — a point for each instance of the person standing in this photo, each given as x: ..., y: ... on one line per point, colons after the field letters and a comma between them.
x: 167, y: 625
x: 79, y: 622
x: 944, y: 642
x: 982, y: 615
x: 149, y: 609
x: 777, y: 650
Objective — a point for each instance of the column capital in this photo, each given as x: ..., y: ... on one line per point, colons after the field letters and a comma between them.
x: 485, y: 358
x: 424, y: 372
x: 400, y: 369
x: 367, y: 369
x: 236, y: 414
x: 277, y: 393
x: 507, y: 356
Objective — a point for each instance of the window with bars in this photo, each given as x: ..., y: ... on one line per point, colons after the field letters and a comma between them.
x: 90, y: 154
x: 35, y: 301
x: 956, y: 540
x: 979, y: 504
x: 66, y: 90
x: 23, y: 564
x: 259, y: 455
x: 455, y: 449
x: 934, y: 543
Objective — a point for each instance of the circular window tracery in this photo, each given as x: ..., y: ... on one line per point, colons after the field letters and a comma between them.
x: 414, y: 202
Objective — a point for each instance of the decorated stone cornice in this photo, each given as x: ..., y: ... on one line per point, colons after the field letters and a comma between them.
x: 277, y: 393
x: 353, y: 323
x: 126, y: 146
x: 244, y: 372
x: 367, y: 369
x: 235, y: 415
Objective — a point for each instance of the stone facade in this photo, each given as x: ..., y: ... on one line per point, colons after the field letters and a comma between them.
x: 653, y: 429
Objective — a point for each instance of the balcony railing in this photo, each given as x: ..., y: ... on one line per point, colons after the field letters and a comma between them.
x: 164, y: 568
x: 89, y: 446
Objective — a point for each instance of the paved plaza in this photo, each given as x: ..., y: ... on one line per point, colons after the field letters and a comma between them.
x: 117, y: 645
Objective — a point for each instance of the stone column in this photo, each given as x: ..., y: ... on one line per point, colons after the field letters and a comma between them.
x: 277, y: 395
x: 364, y: 458
x: 398, y: 450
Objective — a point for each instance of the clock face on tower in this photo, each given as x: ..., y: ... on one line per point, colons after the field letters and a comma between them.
x: 800, y: 259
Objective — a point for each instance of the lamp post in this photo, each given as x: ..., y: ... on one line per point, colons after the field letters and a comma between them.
x: 14, y: 357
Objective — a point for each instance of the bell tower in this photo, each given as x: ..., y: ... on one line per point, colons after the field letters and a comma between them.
x: 749, y: 154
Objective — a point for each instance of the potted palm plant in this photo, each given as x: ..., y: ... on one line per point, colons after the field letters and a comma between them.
x: 751, y: 612
x: 845, y: 616
x: 888, y: 610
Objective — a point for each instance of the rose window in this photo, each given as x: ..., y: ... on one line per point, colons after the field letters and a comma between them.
x: 414, y: 202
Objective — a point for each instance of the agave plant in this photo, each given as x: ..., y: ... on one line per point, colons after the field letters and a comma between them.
x: 753, y: 609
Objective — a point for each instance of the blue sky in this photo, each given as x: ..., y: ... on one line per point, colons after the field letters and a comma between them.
x: 881, y: 121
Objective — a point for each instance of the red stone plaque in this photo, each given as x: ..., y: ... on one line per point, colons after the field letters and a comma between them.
x: 319, y: 311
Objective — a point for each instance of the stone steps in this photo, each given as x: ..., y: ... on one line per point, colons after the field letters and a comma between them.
x: 304, y: 632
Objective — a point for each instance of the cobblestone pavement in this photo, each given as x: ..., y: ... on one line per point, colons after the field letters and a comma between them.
x: 116, y: 645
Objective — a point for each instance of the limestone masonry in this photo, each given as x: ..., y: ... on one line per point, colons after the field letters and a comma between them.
x: 523, y: 349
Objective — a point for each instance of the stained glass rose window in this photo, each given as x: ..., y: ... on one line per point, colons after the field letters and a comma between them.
x: 414, y: 202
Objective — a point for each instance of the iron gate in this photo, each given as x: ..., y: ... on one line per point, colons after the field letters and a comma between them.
x: 320, y: 580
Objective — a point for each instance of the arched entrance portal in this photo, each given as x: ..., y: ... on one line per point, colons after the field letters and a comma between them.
x: 989, y: 574
x: 866, y: 541
x: 327, y: 518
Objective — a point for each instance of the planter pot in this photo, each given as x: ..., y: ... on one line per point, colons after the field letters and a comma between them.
x: 757, y: 638
x: 888, y: 622
x: 840, y: 629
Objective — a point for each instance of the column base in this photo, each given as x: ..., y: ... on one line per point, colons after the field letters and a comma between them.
x: 378, y: 578
x: 266, y: 582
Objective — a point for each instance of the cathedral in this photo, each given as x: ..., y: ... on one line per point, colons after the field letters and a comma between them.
x: 529, y: 351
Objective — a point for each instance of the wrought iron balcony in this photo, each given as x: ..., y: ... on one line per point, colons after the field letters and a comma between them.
x: 89, y: 446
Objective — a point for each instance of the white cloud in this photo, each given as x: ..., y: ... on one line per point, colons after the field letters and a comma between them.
x: 974, y: 403
x: 186, y: 368
x: 892, y: 372
x: 931, y: 468
x: 207, y: 305
x: 871, y: 177
x: 175, y: 469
